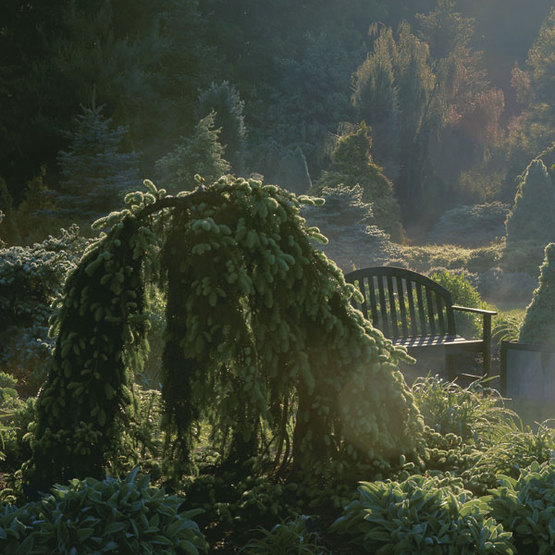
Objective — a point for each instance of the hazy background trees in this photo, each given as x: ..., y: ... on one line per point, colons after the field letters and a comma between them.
x: 456, y: 94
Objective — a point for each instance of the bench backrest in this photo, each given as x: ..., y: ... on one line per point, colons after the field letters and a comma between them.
x: 402, y: 303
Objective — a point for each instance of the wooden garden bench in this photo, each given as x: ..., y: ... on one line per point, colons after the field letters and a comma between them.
x: 416, y: 312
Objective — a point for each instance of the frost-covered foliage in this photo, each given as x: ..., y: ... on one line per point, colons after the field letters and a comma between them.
x: 96, y: 172
x: 539, y: 322
x: 531, y: 223
x: 526, y: 507
x: 345, y: 220
x: 471, y: 226
x: 92, y: 516
x: 30, y: 278
x: 422, y: 514
x: 202, y: 153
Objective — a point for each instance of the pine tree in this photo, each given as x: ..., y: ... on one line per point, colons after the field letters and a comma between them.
x: 376, y: 99
x: 346, y: 220
x: 224, y: 100
x: 354, y: 166
x: 201, y: 153
x: 95, y: 170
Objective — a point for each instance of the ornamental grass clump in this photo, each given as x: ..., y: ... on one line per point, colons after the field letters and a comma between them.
x: 475, y: 413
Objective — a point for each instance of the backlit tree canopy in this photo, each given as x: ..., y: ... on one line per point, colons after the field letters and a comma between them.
x: 259, y: 329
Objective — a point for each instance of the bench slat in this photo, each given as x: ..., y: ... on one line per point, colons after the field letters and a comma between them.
x: 413, y: 321
x: 441, y: 314
x: 421, y: 314
x: 383, y: 307
x: 392, y: 309
x: 402, y: 308
x: 431, y: 315
x: 373, y: 305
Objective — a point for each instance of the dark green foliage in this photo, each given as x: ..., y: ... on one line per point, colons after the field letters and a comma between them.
x: 202, y: 153
x: 345, y: 219
x: 93, y: 516
x: 146, y: 59
x: 530, y: 222
x: 540, y: 60
x: 15, y: 417
x: 483, y: 259
x: 422, y: 514
x: 230, y: 506
x: 89, y: 381
x: 95, y: 173
x: 471, y: 226
x: 354, y: 164
x: 538, y: 327
x: 526, y: 507
x: 17, y: 424
x: 308, y: 94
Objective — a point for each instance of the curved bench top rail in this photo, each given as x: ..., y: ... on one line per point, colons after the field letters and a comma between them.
x: 403, y: 303
x: 394, y: 271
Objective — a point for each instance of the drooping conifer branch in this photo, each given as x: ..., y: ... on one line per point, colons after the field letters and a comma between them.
x: 257, y: 317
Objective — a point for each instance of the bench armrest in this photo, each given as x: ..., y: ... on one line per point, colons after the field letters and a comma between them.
x: 486, y: 331
x: 475, y: 310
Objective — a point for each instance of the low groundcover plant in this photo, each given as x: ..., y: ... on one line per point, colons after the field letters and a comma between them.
x: 92, y: 516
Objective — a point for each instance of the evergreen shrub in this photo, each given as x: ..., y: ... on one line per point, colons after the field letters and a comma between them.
x: 96, y: 172
x: 30, y: 279
x: 345, y: 219
x: 224, y: 100
x: 538, y: 327
x: 531, y: 221
x: 354, y: 166
x: 423, y: 259
x: 201, y: 153
x: 16, y: 417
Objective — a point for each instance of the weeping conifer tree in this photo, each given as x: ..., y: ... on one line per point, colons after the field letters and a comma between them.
x: 259, y: 331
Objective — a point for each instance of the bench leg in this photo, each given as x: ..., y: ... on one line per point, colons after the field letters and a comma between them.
x: 487, y: 344
x: 451, y: 361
